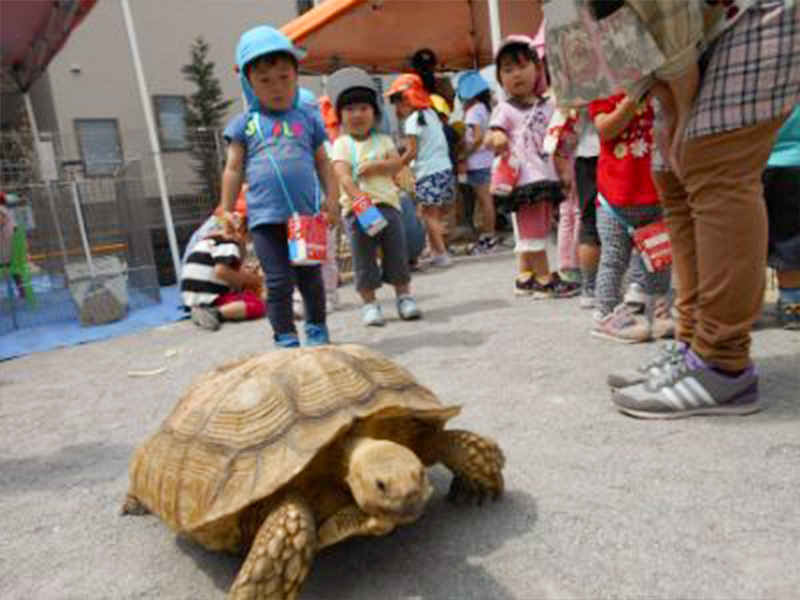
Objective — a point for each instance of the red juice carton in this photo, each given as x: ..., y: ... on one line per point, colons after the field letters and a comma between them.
x: 369, y: 217
x: 505, y: 173
x: 308, y: 239
x: 654, y: 246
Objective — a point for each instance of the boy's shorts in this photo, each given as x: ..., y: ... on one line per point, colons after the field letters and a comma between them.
x: 394, y: 268
x: 586, y: 183
x: 255, y: 308
x: 782, y: 195
x: 438, y: 189
x: 479, y: 177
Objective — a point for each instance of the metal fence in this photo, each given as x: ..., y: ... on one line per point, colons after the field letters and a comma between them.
x: 79, y: 229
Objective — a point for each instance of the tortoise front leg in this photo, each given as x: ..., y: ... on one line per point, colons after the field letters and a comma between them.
x: 476, y: 462
x: 281, y: 554
x: 348, y: 522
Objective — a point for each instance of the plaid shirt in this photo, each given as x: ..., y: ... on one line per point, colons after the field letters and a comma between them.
x: 753, y: 71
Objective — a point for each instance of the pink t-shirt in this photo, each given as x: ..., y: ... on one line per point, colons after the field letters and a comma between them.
x: 526, y: 128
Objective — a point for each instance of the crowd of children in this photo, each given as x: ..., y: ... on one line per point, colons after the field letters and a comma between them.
x: 293, y: 151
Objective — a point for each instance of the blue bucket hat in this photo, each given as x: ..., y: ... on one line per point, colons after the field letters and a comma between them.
x: 471, y: 84
x: 256, y: 42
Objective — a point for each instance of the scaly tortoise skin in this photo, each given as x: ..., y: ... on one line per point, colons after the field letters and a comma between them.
x: 288, y: 452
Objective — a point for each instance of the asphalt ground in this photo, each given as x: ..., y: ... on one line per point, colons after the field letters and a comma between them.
x: 598, y: 505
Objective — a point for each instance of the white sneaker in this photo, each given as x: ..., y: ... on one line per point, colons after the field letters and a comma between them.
x: 372, y: 315
x: 586, y: 302
x: 441, y: 261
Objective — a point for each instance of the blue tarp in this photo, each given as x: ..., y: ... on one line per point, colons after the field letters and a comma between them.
x: 71, y: 333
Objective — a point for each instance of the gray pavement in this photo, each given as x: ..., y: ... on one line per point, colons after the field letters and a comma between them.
x: 598, y: 505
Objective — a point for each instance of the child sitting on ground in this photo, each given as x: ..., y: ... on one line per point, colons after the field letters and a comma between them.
x: 365, y: 163
x: 215, y: 286
x: 518, y: 127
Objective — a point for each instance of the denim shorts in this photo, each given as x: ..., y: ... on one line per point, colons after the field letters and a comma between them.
x: 438, y: 189
x: 479, y: 177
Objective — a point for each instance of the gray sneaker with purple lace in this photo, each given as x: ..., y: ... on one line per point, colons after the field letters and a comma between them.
x: 689, y: 387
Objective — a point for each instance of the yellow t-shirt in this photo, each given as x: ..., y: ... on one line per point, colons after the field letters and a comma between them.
x: 381, y: 188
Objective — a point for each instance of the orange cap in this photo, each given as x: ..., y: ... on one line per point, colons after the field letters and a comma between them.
x: 412, y: 89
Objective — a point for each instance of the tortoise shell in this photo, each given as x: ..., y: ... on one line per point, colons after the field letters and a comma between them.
x: 242, y: 432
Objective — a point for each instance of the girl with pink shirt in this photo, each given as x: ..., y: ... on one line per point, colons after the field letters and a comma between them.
x: 518, y: 128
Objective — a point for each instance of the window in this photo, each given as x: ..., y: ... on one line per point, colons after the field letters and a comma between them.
x: 304, y: 6
x: 100, y: 145
x: 171, y: 116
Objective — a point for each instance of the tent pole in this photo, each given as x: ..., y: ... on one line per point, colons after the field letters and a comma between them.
x: 31, y: 120
x: 151, y: 130
x: 494, y: 24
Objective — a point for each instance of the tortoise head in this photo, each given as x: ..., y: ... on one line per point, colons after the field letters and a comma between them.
x: 388, y: 480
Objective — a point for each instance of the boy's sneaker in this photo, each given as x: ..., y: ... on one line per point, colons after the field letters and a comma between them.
x: 558, y: 288
x: 372, y: 316
x: 690, y: 387
x: 789, y: 308
x: 669, y: 353
x: 207, y: 317
x: 587, y: 302
x: 317, y: 334
x: 626, y: 325
x: 407, y: 308
x: 525, y: 283
x: 441, y: 261
x: 287, y: 340
x: 663, y: 325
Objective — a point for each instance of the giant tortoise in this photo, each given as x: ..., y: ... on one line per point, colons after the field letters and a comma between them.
x: 285, y: 453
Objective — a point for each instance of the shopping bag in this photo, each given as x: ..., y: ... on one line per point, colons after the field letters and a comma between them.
x: 590, y: 59
x: 653, y: 243
x: 505, y: 172
x: 368, y: 216
x: 308, y: 239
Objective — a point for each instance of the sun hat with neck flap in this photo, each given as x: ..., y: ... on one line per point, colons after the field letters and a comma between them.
x: 256, y: 42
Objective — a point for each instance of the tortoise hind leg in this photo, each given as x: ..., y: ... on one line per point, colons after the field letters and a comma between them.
x: 132, y: 506
x: 476, y: 462
x: 280, y: 556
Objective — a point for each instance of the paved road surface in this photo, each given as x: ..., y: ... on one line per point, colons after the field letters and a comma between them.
x: 598, y: 505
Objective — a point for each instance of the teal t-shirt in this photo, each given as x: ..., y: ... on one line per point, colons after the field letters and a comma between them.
x: 433, y: 154
x: 786, y: 152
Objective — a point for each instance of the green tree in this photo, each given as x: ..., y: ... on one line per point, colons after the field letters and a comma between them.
x: 205, y: 110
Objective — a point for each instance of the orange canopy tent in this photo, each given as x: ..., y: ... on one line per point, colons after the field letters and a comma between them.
x: 381, y: 35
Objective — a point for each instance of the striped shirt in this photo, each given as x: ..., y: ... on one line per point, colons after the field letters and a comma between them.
x: 200, y: 285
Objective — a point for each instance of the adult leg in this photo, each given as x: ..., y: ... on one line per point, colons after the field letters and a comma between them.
x: 675, y: 201
x: 722, y: 174
x: 272, y: 249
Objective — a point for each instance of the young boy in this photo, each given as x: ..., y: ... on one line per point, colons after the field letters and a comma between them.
x: 277, y: 146
x: 215, y: 286
x: 365, y: 162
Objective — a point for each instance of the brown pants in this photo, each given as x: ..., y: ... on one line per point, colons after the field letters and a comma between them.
x: 718, y: 225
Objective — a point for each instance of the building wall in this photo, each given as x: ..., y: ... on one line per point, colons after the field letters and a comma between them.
x: 93, y: 76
